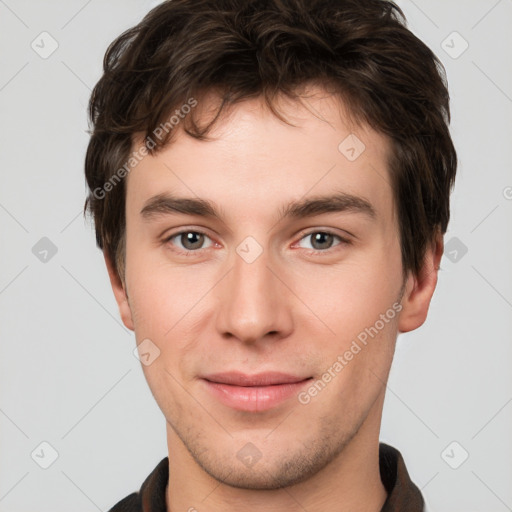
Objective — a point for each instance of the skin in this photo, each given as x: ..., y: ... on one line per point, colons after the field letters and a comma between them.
x: 289, y: 310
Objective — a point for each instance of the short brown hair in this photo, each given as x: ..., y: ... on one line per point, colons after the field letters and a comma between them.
x: 245, y: 49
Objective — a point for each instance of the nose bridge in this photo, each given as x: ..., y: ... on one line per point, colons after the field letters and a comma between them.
x: 253, y: 301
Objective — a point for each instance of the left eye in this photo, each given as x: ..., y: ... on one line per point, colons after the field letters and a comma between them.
x: 190, y: 240
x: 321, y: 240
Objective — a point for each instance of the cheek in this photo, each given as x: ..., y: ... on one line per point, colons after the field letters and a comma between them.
x: 162, y: 314
x: 168, y: 308
x: 351, y: 297
x: 359, y: 307
x: 162, y: 298
x: 357, y: 361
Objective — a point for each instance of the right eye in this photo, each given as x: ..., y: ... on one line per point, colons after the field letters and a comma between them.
x: 189, y: 241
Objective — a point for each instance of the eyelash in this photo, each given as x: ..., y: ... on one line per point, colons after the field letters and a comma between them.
x: 314, y: 252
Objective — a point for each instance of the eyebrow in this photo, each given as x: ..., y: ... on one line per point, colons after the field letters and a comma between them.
x: 168, y: 204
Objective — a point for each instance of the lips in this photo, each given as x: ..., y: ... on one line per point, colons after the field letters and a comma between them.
x: 259, y: 379
x: 253, y: 393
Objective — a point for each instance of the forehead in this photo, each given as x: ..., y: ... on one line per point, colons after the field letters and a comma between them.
x: 256, y: 162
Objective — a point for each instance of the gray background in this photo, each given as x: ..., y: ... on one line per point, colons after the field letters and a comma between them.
x: 68, y: 376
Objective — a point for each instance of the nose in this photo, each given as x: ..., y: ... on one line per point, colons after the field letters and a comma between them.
x: 255, y: 305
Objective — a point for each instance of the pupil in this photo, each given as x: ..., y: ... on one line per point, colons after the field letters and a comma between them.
x: 189, y: 239
x: 322, y: 238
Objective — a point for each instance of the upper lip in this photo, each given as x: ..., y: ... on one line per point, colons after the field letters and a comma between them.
x: 258, y: 379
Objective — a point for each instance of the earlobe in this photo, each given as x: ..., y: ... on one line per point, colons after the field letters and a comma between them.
x: 119, y: 293
x: 420, y: 288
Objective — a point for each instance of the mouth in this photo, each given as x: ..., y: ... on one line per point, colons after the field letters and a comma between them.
x: 254, y: 393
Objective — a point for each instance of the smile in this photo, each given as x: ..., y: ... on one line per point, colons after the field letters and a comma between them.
x: 254, y: 393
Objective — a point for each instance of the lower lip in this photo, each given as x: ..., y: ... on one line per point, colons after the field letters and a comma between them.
x: 254, y: 398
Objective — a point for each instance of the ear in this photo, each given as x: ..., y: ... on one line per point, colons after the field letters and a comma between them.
x: 420, y: 288
x: 120, y: 293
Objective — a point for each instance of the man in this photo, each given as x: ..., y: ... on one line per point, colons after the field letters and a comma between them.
x: 270, y: 185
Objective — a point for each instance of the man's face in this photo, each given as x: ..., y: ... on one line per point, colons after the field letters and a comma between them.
x: 246, y: 292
